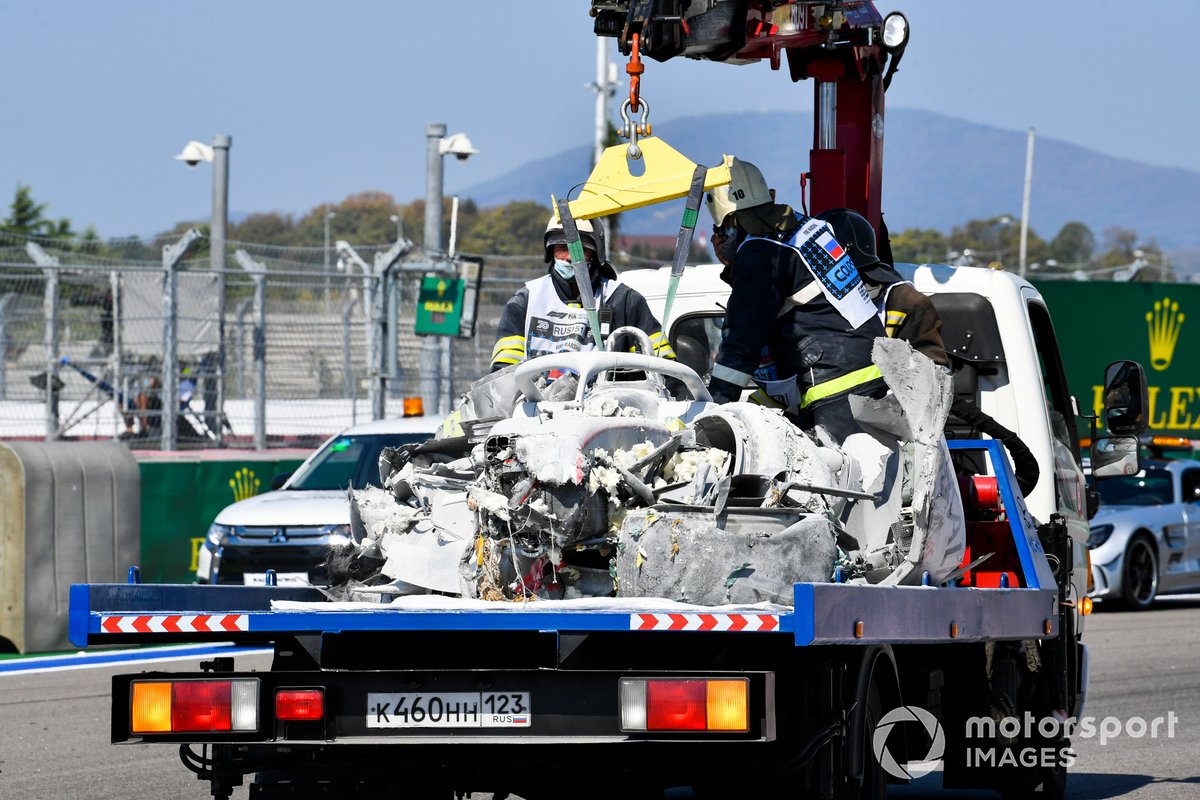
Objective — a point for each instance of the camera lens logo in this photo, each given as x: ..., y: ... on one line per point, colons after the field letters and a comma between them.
x: 913, y: 769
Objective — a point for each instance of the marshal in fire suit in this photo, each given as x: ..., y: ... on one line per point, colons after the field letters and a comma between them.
x: 546, y: 316
x: 796, y: 294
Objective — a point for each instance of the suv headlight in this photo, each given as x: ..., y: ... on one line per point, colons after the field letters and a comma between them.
x: 1098, y: 536
x: 338, y: 534
x: 217, y: 534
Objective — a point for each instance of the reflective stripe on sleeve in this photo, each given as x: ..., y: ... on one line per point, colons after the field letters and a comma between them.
x: 508, y: 347
x: 893, y: 321
x: 508, y: 358
x: 724, y: 373
x: 840, y: 384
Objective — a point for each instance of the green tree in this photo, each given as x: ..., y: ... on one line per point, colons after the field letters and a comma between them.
x: 515, y: 229
x: 361, y: 219
x: 919, y: 246
x: 996, y: 239
x: 269, y: 228
x: 28, y: 217
x: 1074, y: 244
x: 1125, y: 248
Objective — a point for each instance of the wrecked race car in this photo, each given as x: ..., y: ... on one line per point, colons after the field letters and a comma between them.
x: 603, y: 483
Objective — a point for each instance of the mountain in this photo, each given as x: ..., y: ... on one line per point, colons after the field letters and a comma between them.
x: 938, y: 172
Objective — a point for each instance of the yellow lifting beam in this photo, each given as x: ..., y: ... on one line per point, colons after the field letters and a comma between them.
x: 612, y: 187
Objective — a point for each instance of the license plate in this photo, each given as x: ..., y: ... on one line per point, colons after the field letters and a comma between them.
x: 448, y: 710
x: 281, y: 579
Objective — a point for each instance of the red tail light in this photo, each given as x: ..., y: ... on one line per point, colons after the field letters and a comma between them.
x: 201, y: 706
x: 299, y: 705
x: 676, y: 705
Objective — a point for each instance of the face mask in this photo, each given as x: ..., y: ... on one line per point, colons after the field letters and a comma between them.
x: 564, y: 268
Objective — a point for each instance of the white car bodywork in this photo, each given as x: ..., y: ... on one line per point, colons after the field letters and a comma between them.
x: 1018, y: 396
x: 1170, y: 531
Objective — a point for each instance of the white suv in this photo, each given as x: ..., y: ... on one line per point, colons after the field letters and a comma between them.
x: 289, y: 530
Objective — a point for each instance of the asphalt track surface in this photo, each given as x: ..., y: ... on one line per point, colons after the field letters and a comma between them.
x: 54, y: 725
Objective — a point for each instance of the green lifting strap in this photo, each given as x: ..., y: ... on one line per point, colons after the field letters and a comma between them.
x: 579, y: 261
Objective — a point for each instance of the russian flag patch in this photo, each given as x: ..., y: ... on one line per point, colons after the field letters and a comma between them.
x: 832, y: 247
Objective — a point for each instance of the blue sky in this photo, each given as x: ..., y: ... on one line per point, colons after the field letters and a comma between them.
x: 324, y: 99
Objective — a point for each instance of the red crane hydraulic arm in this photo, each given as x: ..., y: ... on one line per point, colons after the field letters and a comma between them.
x: 845, y: 46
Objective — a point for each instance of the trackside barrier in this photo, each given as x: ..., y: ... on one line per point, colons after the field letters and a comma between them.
x: 69, y: 512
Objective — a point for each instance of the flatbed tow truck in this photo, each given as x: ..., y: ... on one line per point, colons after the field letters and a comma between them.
x: 844, y: 689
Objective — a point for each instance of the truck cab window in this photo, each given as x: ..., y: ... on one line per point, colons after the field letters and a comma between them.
x: 695, y: 339
x: 1054, y: 377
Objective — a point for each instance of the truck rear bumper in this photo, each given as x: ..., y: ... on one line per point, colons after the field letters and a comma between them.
x: 547, y: 707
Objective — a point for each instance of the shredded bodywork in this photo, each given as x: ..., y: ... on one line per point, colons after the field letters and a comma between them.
x: 618, y: 489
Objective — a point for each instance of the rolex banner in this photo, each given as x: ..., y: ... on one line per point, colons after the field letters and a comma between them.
x: 1155, y: 324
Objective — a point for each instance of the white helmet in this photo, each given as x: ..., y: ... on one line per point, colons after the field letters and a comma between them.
x: 747, y: 188
x: 589, y: 235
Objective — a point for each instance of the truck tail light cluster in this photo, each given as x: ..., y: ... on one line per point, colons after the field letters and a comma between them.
x: 697, y: 704
x: 194, y: 706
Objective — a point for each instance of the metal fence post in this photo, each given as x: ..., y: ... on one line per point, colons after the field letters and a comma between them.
x: 348, y: 382
x: 50, y: 307
x: 6, y: 302
x: 171, y: 254
x: 239, y: 337
x: 258, y: 273
x: 121, y: 399
x: 385, y: 328
x: 370, y: 291
x: 375, y: 351
x: 49, y: 265
x: 392, y: 342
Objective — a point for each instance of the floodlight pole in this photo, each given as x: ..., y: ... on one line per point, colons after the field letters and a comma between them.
x: 431, y: 347
x: 1025, y: 202
x: 220, y: 220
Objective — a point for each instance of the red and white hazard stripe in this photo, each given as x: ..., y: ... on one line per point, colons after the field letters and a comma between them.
x: 175, y: 623
x: 704, y: 622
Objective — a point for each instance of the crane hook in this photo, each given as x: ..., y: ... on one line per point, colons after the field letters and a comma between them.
x: 634, y: 70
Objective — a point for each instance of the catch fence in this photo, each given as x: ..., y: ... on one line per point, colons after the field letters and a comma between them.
x: 86, y: 332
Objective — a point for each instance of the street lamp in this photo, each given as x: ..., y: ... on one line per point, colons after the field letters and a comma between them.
x: 396, y: 218
x: 218, y: 155
x: 436, y: 380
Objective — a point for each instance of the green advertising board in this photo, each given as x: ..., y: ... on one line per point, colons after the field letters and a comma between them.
x: 1155, y: 324
x: 439, y: 306
x: 181, y: 496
